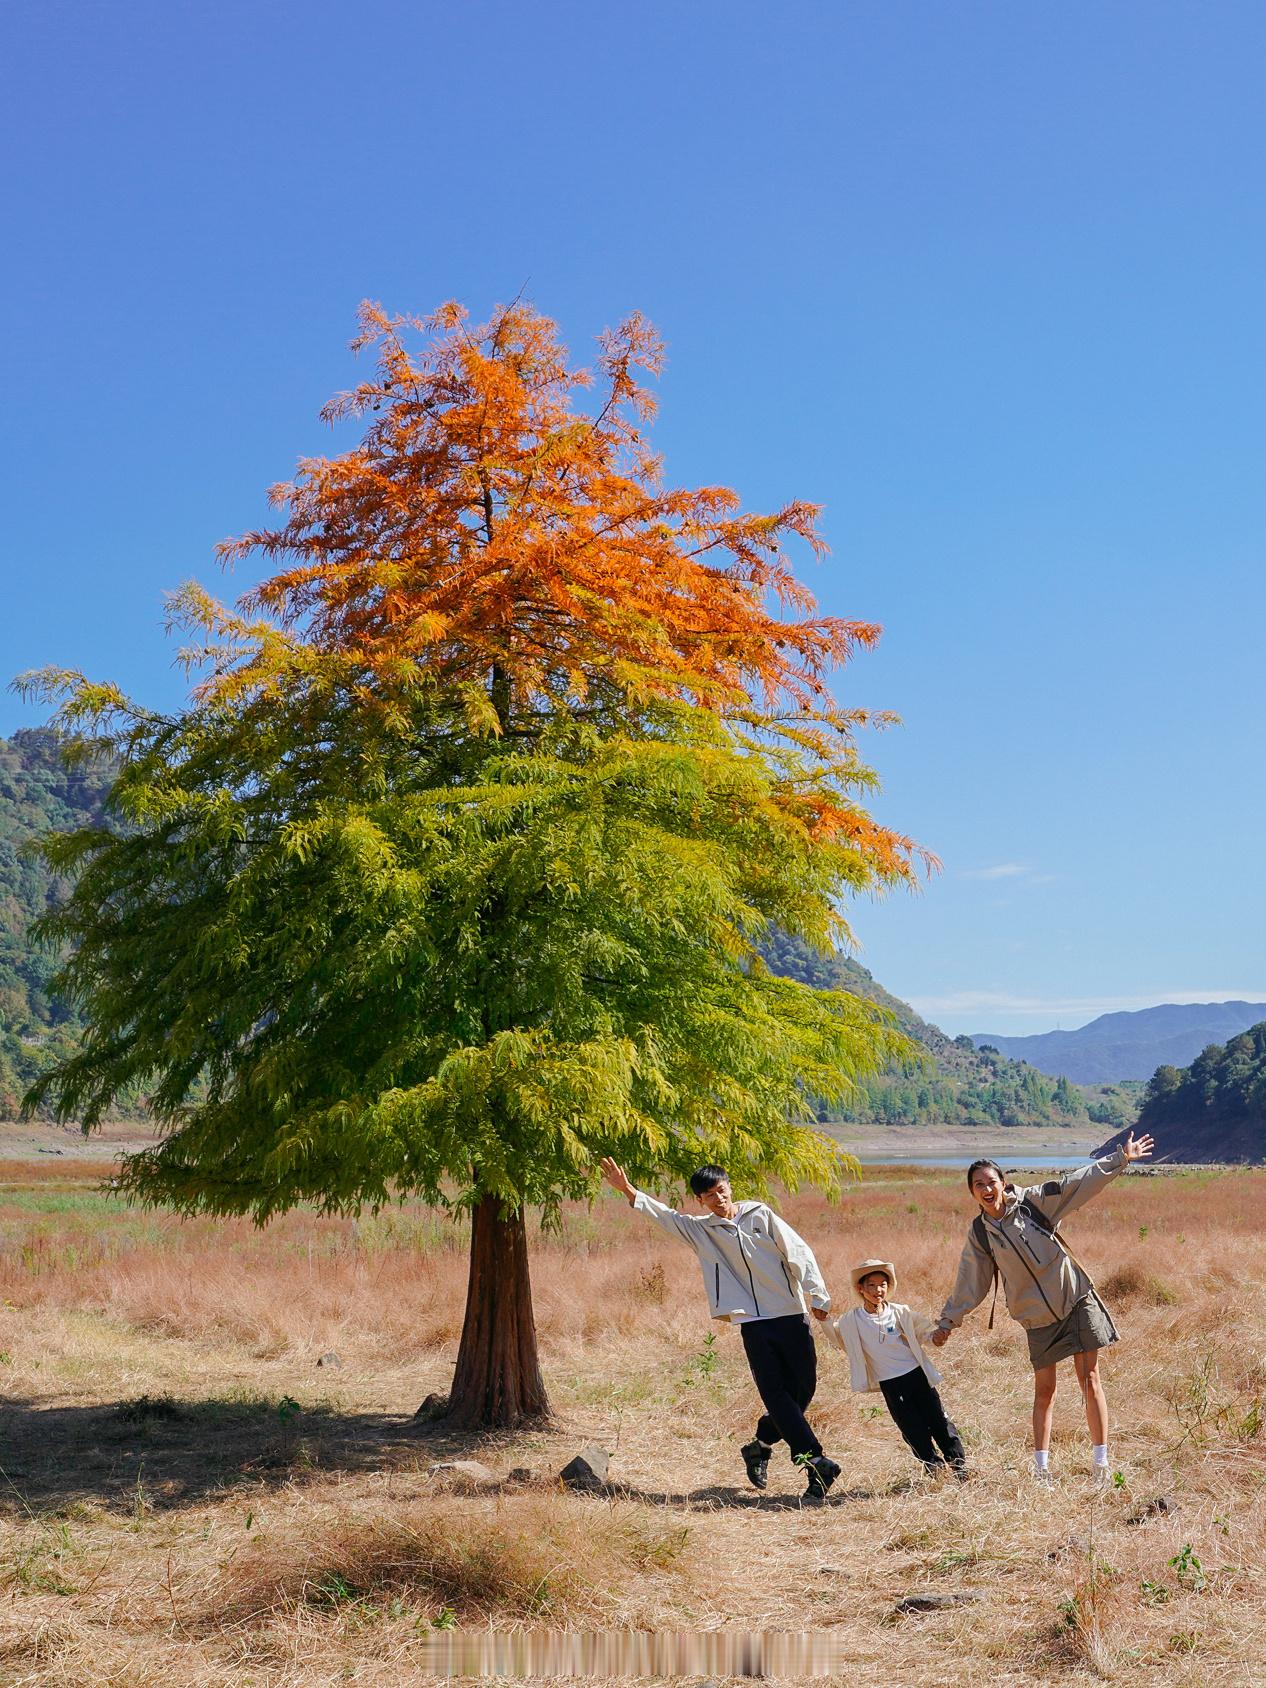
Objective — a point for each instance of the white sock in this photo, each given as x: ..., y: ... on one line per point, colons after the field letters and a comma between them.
x: 1041, y: 1459
x: 1099, y: 1451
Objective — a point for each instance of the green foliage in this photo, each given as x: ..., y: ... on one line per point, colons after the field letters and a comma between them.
x: 352, y: 952
x: 1114, y: 1105
x: 1220, y: 1099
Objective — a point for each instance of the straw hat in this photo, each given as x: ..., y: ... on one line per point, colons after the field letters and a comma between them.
x: 869, y: 1266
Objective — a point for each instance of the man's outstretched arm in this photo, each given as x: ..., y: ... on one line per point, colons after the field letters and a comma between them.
x: 679, y: 1224
x: 616, y: 1176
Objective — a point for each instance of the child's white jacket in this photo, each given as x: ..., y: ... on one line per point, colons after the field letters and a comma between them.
x: 845, y: 1333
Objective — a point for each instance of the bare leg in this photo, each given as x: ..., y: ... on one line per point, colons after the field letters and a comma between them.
x: 1043, y: 1406
x: 1092, y: 1388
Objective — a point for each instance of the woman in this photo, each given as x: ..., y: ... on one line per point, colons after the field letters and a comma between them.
x: 1014, y: 1238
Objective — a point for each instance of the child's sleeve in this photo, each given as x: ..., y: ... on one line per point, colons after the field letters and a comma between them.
x: 922, y: 1325
x: 834, y: 1335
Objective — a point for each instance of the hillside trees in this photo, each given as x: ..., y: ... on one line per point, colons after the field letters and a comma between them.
x: 38, y: 791
x: 450, y: 878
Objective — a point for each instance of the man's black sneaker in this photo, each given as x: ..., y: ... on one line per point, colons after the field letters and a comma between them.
x: 756, y: 1459
x: 822, y: 1473
x: 959, y: 1468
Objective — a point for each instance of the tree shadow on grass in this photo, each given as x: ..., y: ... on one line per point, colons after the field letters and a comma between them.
x: 158, y: 1453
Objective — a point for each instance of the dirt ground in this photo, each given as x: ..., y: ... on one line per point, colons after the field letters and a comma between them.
x: 188, y: 1497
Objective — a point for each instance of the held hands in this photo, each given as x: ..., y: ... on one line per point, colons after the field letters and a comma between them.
x: 940, y: 1337
x: 819, y: 1312
x: 615, y: 1175
x: 1137, y: 1148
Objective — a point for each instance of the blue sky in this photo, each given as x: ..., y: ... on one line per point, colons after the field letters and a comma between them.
x: 984, y: 279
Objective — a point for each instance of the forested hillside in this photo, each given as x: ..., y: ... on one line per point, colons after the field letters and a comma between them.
x: 38, y: 792
x: 960, y: 1085
x: 1215, y: 1109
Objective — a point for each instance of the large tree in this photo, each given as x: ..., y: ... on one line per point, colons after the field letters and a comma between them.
x: 450, y: 877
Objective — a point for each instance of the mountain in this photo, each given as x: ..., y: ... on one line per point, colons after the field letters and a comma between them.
x: 1213, y: 1110
x: 1129, y: 1045
x: 958, y: 1084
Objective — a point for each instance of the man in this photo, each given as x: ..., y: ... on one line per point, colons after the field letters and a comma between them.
x: 756, y: 1273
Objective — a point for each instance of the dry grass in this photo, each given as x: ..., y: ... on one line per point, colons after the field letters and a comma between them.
x: 187, y: 1499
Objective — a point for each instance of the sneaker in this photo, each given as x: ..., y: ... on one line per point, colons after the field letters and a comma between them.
x: 959, y: 1468
x: 1045, y: 1478
x: 756, y: 1459
x: 1101, y: 1477
x: 822, y: 1472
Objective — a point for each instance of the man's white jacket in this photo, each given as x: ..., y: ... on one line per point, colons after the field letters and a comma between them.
x: 845, y: 1333
x: 754, y: 1265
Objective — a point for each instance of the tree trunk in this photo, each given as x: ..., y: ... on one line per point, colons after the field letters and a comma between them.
x: 497, y: 1384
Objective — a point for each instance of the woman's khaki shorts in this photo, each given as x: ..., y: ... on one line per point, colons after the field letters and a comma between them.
x: 1087, y: 1327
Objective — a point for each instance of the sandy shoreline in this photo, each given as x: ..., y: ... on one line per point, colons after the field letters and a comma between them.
x: 33, y: 1140
x: 29, y: 1140
x: 1002, y: 1142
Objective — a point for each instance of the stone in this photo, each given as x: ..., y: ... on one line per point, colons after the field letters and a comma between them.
x: 588, y: 1470
x: 914, y: 1604
x: 1154, y: 1508
x: 521, y: 1474
x: 435, y: 1406
x: 331, y: 1361
x: 1076, y: 1545
x: 831, y: 1571
x: 464, y: 1473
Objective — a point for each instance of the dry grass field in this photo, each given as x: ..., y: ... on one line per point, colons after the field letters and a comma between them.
x: 186, y: 1497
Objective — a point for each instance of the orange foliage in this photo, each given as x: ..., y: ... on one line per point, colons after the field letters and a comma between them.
x: 527, y: 556
x: 483, y: 521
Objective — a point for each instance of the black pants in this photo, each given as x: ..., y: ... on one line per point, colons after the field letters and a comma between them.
x: 919, y: 1416
x: 784, y: 1366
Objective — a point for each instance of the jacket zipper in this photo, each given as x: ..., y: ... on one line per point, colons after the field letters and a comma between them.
x: 1029, y: 1246
x: 750, y: 1279
x: 717, y: 1302
x: 1036, y: 1282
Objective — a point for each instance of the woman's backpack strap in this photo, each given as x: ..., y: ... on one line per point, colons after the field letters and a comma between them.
x: 981, y: 1233
x: 1033, y: 1212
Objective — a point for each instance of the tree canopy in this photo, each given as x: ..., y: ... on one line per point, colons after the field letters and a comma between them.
x: 451, y: 876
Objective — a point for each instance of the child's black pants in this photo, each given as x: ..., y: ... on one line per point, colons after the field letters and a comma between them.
x: 919, y: 1416
x: 784, y: 1366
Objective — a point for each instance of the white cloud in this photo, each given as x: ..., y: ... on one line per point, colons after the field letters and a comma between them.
x: 1004, y: 870
x: 1082, y: 1008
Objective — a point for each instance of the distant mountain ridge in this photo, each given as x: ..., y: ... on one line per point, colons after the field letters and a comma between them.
x: 1129, y: 1045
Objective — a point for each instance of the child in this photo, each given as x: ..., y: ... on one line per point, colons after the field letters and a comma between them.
x: 756, y: 1272
x: 884, y: 1343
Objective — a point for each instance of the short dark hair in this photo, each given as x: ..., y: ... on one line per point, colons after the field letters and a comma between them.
x: 979, y: 1166
x: 707, y: 1178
